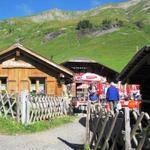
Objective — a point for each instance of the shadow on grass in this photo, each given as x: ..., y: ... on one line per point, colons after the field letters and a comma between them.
x: 72, y: 145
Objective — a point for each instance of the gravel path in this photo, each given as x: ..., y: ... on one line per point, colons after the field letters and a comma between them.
x: 67, y: 137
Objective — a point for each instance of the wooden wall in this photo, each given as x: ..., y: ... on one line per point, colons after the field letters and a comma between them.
x: 18, y: 79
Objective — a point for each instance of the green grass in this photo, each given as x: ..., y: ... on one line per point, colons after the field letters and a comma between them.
x: 86, y: 147
x: 11, y: 127
x: 112, y: 49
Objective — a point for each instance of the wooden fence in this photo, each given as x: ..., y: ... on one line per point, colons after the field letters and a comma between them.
x: 45, y: 107
x: 125, y: 129
x: 8, y: 105
x: 28, y: 109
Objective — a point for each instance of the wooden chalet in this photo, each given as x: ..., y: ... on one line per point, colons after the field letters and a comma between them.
x: 137, y: 71
x: 83, y: 65
x: 22, y: 69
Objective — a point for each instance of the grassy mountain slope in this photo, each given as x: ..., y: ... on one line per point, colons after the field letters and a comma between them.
x: 112, y: 49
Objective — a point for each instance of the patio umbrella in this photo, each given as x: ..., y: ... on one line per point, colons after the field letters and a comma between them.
x: 91, y: 77
x: 83, y: 86
x: 77, y: 78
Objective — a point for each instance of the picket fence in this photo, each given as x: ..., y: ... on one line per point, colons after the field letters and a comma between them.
x: 28, y: 109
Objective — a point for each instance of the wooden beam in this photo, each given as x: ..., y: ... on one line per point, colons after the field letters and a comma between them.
x: 18, y: 54
x: 127, y: 129
x: 134, y: 69
x: 5, y: 56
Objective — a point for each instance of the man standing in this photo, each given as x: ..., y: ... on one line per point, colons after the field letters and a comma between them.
x: 112, y: 96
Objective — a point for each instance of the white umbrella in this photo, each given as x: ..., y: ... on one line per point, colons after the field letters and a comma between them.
x: 91, y: 77
x: 83, y: 86
x: 77, y: 77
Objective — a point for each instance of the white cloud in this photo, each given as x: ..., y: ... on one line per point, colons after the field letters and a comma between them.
x: 25, y: 9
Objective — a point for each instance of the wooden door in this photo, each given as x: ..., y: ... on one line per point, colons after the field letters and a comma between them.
x: 50, y: 88
x: 12, y: 86
x: 24, y: 85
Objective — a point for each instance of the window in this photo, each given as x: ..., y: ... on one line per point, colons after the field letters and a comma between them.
x: 37, y: 85
x: 3, y: 83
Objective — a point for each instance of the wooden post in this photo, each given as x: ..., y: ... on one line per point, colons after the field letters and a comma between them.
x: 27, y: 110
x: 87, y: 141
x: 127, y: 129
x: 24, y: 109
x: 18, y: 107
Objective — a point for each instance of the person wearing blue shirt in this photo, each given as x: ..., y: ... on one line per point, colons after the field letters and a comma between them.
x: 92, y: 93
x: 112, y: 96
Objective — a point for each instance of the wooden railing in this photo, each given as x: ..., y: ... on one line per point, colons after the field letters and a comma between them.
x: 8, y: 105
x: 124, y: 129
x: 45, y: 107
x: 28, y: 109
x: 140, y: 130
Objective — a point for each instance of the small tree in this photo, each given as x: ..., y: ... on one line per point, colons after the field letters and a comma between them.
x: 84, y: 24
x: 106, y: 24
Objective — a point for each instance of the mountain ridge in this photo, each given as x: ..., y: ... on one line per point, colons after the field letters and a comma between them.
x: 58, y: 14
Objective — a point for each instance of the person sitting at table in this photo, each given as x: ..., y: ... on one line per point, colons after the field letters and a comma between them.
x: 92, y: 93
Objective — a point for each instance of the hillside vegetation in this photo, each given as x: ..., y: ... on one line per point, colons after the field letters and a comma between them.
x: 57, y: 35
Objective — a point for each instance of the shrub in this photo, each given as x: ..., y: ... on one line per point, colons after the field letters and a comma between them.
x: 106, y: 24
x: 84, y: 24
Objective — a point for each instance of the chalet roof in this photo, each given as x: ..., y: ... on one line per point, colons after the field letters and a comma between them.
x: 90, y: 66
x: 138, y: 68
x: 81, y: 59
x: 29, y: 51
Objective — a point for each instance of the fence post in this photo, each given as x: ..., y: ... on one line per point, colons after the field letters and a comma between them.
x: 87, y: 141
x: 127, y: 129
x: 65, y: 107
x: 24, y: 108
x: 18, y: 107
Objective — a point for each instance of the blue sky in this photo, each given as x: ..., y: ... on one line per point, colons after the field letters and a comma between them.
x: 13, y: 8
